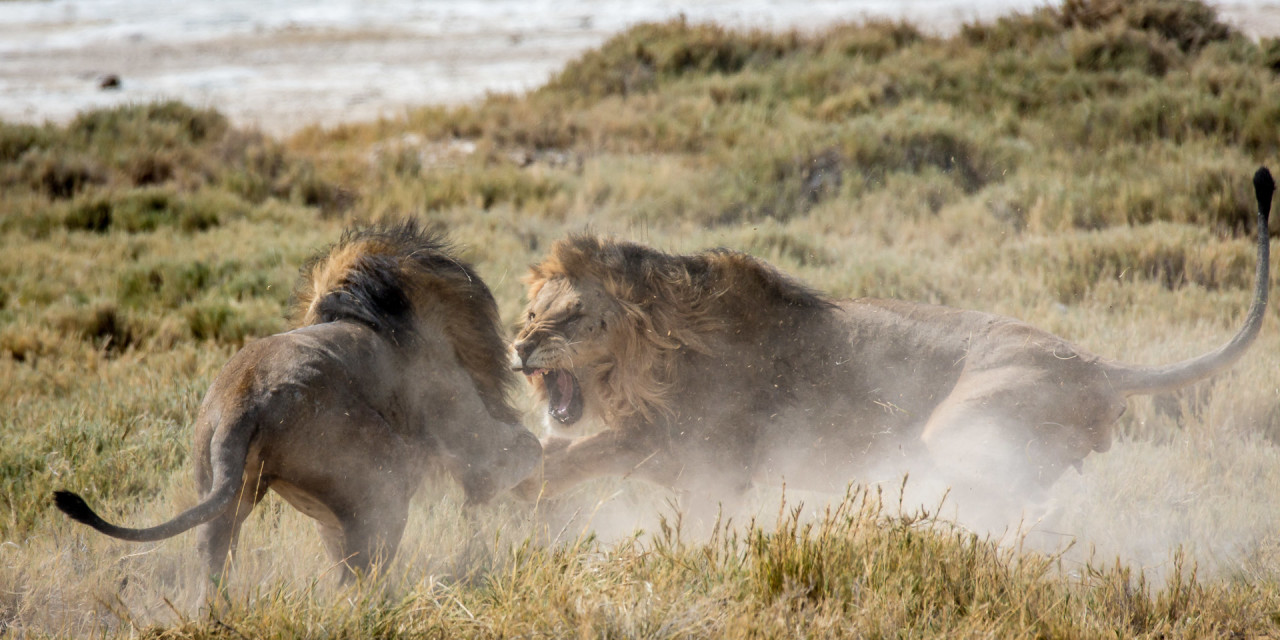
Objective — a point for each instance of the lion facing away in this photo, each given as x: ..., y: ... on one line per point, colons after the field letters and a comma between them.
x: 712, y: 371
x: 397, y: 361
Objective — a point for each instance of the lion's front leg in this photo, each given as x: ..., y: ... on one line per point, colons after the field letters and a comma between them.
x: 613, y: 452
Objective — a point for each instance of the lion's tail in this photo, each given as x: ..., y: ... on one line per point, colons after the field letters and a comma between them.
x: 1169, y: 377
x: 228, y: 470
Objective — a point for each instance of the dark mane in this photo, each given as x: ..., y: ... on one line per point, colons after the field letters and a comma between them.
x: 390, y: 277
x: 639, y: 272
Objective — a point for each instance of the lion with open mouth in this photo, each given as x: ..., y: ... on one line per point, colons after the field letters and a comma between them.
x: 716, y: 371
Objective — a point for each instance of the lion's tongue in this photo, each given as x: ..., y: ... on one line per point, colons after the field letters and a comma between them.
x: 564, y: 395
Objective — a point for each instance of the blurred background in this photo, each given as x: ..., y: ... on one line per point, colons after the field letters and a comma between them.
x: 282, y: 64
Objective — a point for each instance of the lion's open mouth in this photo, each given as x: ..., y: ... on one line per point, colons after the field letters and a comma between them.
x: 564, y: 396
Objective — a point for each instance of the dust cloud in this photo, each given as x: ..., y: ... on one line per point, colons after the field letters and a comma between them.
x: 1206, y: 494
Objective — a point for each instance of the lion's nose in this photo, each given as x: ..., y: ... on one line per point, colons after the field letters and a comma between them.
x: 523, y: 349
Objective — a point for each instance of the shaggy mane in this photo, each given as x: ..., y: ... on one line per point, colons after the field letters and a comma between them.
x: 635, y: 272
x: 672, y: 302
x: 400, y: 280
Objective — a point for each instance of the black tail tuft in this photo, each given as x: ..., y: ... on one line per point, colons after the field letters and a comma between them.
x: 75, y: 507
x: 1263, y: 187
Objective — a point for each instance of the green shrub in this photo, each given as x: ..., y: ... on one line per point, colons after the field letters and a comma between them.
x: 501, y: 184
x: 147, y: 209
x: 59, y: 175
x: 17, y: 139
x: 228, y: 322
x: 1271, y: 53
x: 257, y: 168
x: 171, y: 284
x: 102, y: 324
x: 1188, y: 24
x: 912, y: 142
x: 303, y: 185
x: 92, y: 214
x: 158, y: 124
x: 871, y: 40
x: 636, y: 60
x: 166, y: 148
x: 1120, y: 48
x: 251, y: 165
x: 781, y: 186
x: 152, y: 166
x: 1018, y: 31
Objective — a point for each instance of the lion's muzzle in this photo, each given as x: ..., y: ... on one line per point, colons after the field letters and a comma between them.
x: 564, y: 394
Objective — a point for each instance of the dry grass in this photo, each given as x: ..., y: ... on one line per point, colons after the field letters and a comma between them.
x: 1084, y: 168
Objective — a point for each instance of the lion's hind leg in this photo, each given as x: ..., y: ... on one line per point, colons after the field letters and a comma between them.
x: 360, y: 524
x: 216, y: 540
x: 365, y: 538
x: 360, y: 493
x: 1004, y: 436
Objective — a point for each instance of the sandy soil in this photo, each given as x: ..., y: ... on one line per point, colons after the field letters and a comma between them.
x: 282, y: 79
